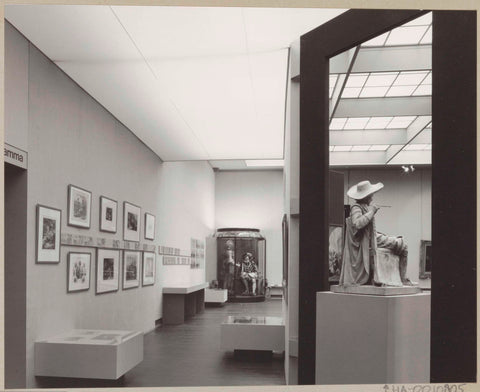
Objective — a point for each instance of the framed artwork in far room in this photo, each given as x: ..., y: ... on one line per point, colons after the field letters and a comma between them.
x: 49, y: 223
x: 149, y: 226
x: 148, y: 269
x: 78, y: 270
x: 108, y: 270
x: 79, y: 207
x: 425, y: 259
x: 108, y: 215
x: 131, y: 222
x: 131, y: 269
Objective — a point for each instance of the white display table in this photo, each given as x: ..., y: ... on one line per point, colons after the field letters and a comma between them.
x: 81, y: 353
x: 180, y: 302
x: 253, y: 333
x: 372, y: 339
x: 216, y: 296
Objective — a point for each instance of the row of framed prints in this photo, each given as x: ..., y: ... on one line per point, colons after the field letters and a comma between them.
x: 108, y: 270
x: 79, y: 214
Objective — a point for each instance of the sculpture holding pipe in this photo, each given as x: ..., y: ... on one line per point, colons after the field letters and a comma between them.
x: 370, y: 257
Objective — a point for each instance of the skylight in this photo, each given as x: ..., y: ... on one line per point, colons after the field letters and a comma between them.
x: 416, y: 32
x: 388, y: 84
x: 417, y: 147
x: 264, y: 162
x: 360, y: 148
x: 361, y: 123
x: 333, y: 82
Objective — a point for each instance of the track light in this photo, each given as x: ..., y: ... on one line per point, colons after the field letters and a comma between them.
x: 408, y: 169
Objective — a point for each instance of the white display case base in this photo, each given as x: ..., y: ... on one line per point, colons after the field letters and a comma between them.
x: 370, y: 339
x: 216, y: 296
x: 253, y: 333
x: 97, y: 354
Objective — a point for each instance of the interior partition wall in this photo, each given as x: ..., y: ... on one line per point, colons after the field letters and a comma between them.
x: 453, y: 330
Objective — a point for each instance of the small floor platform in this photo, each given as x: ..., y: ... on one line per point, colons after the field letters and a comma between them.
x: 95, y: 354
x: 265, y: 333
x: 247, y: 298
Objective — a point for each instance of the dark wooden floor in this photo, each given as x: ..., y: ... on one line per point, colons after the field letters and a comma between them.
x: 190, y: 355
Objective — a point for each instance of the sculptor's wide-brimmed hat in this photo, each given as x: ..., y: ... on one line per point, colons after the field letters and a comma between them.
x: 363, y: 189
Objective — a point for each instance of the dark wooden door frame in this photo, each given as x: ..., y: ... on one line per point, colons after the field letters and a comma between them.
x: 453, y: 337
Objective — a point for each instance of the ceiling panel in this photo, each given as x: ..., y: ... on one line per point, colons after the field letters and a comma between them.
x: 191, y: 82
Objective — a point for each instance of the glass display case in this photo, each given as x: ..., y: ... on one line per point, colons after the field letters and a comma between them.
x: 241, y: 264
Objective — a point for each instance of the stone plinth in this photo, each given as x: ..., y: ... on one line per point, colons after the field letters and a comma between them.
x: 374, y: 290
x: 371, y: 339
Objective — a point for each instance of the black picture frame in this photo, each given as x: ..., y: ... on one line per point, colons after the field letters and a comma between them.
x: 70, y: 271
x: 100, y: 286
x: 136, y: 282
x: 147, y: 281
x: 47, y: 254
x: 104, y: 226
x: 79, y: 199
x: 285, y: 256
x: 149, y: 226
x: 131, y: 222
x: 425, y: 259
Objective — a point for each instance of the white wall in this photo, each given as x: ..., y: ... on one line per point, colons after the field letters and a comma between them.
x: 186, y: 210
x: 71, y: 139
x: 410, y: 214
x: 253, y: 199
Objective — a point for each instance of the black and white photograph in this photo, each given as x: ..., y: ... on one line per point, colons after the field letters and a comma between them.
x: 131, y: 222
x: 149, y: 267
x: 108, y: 265
x: 294, y: 183
x: 79, y: 207
x: 149, y: 226
x: 108, y: 215
x: 131, y: 269
x: 48, y: 234
x: 78, y: 271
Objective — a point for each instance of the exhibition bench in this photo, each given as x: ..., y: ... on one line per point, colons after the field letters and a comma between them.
x: 82, y: 353
x: 182, y: 302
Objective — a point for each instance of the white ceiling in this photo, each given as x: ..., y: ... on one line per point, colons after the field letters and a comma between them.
x: 193, y: 83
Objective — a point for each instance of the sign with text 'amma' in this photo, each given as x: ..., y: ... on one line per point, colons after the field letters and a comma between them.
x: 15, y: 156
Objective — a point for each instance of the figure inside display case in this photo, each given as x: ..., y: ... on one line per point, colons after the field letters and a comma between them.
x: 365, y: 249
x: 229, y: 266
x: 249, y: 273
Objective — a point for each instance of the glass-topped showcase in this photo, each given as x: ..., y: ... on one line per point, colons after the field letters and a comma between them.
x: 241, y: 263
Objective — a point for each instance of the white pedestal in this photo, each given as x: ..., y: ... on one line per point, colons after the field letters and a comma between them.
x: 369, y: 339
x: 89, y: 354
x: 217, y: 296
x: 253, y: 333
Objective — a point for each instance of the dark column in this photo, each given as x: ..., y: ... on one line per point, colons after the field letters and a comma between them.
x: 15, y: 276
x: 454, y: 197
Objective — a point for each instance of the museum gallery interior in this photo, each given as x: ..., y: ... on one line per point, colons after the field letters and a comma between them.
x: 222, y: 196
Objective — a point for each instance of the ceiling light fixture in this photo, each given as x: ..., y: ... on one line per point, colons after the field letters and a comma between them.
x: 408, y: 169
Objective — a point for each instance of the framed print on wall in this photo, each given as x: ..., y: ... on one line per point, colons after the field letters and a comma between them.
x: 108, y: 266
x: 131, y: 269
x: 49, y: 221
x: 131, y: 222
x: 149, y: 226
x: 108, y: 215
x: 79, y: 207
x: 148, y: 268
x: 78, y: 271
